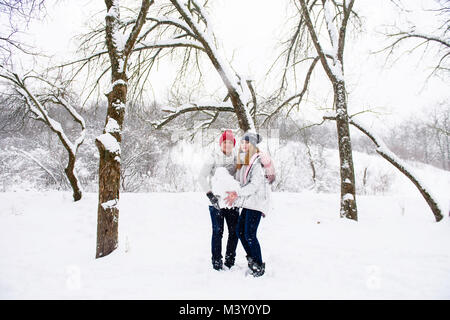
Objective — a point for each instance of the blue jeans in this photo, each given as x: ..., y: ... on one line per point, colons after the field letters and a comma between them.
x: 217, y: 218
x: 247, y: 227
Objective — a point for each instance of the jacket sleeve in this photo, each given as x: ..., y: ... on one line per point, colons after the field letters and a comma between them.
x: 256, y: 181
x: 205, y: 174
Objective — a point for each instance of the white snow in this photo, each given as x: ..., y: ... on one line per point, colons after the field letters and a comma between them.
x: 394, y: 251
x: 348, y: 197
x: 119, y: 40
x: 109, y: 142
x: 118, y: 105
x: 110, y: 204
x: 336, y: 66
x: 114, y: 10
x: 112, y: 126
x: 117, y: 82
x: 118, y: 37
x: 222, y: 182
x: 332, y: 31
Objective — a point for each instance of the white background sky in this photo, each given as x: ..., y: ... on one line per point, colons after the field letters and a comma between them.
x: 251, y: 31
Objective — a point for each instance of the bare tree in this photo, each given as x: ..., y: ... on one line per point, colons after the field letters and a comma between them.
x: 38, y: 106
x: 15, y: 16
x: 239, y: 89
x: 437, y: 41
x: 125, y: 37
x: 119, y: 49
x: 184, y: 25
x: 336, y: 15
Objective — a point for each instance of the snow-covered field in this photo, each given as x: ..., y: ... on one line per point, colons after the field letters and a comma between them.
x: 395, y: 251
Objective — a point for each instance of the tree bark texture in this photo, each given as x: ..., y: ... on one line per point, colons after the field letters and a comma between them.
x: 347, y: 173
x: 73, y: 179
x: 109, y: 176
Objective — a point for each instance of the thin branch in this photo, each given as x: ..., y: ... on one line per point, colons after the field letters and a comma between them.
x: 190, y: 108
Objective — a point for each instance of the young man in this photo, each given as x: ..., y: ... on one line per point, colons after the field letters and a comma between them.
x: 222, y: 157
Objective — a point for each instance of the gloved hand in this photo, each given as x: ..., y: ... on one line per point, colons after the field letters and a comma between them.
x: 214, y: 200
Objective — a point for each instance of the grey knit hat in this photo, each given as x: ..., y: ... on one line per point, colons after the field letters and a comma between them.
x: 253, y: 138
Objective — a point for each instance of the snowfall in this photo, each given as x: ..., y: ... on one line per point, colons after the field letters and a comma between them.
x: 395, y: 250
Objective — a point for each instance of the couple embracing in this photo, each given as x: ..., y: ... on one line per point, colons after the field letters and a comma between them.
x: 245, y: 205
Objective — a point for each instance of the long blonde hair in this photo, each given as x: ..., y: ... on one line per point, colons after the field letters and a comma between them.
x: 251, y: 151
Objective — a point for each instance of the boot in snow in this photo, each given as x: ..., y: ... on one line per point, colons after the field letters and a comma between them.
x: 217, y: 264
x: 258, y: 270
x: 250, y: 261
x: 229, y: 261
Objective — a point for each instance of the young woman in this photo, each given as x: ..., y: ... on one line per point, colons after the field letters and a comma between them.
x: 253, y: 197
x: 223, y: 157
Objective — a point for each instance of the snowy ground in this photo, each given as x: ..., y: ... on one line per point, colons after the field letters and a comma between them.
x: 395, y: 251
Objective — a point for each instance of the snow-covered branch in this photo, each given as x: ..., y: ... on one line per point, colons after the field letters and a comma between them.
x: 39, y: 163
x: 137, y: 26
x: 170, y: 43
x: 382, y: 150
x: 315, y: 40
x: 36, y: 105
x: 178, y: 23
x: 239, y: 94
x: 336, y: 66
x: 192, y: 107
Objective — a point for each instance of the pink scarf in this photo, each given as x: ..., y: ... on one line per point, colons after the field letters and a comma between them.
x: 266, y: 162
x: 252, y: 160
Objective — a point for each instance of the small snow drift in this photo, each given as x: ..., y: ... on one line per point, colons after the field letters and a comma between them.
x: 222, y: 182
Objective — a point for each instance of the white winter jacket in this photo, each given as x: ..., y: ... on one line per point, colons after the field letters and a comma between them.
x: 214, y: 160
x: 255, y: 191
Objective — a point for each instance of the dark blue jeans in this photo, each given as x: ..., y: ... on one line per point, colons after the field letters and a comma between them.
x: 217, y: 218
x: 247, y: 227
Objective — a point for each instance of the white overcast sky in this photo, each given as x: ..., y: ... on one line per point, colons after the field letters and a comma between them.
x: 251, y: 30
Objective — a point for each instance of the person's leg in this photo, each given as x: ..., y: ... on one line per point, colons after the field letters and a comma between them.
x: 231, y: 217
x: 216, y: 239
x: 252, y: 220
x: 240, y: 230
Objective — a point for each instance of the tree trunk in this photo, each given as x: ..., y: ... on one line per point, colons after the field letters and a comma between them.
x: 348, y: 199
x: 311, y: 160
x: 109, y: 142
x: 109, y: 170
x: 73, y: 179
x: 70, y: 169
